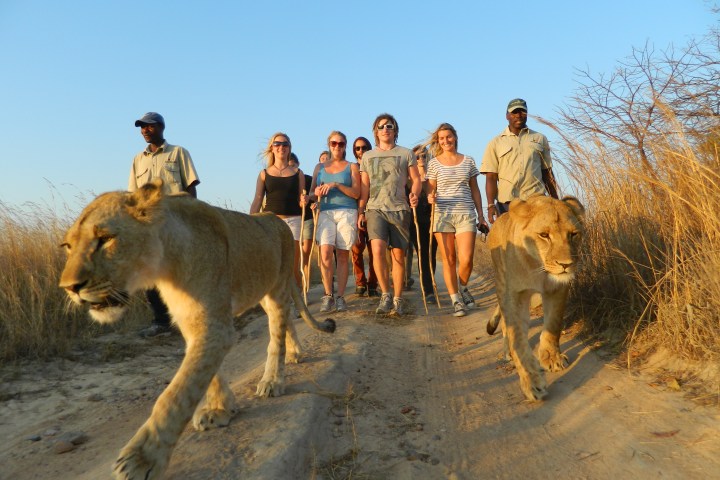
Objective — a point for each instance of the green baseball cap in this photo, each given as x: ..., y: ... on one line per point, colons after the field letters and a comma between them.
x: 516, y: 103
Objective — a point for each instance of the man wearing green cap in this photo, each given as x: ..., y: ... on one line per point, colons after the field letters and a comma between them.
x: 175, y: 167
x: 516, y: 163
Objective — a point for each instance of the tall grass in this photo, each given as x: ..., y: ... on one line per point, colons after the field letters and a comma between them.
x: 651, y: 273
x: 36, y: 319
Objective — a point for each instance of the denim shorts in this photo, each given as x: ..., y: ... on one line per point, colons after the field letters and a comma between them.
x: 446, y: 222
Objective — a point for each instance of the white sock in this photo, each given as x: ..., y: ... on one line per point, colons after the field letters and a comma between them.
x: 454, y: 297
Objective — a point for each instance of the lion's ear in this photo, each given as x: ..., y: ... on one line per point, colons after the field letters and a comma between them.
x: 143, y: 203
x: 575, y: 206
x: 520, y: 210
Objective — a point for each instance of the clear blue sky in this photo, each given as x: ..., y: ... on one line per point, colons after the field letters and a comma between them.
x: 228, y: 74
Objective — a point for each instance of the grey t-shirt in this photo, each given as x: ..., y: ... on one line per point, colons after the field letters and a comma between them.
x: 387, y: 171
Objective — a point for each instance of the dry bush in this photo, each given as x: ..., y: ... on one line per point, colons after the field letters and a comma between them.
x: 36, y: 319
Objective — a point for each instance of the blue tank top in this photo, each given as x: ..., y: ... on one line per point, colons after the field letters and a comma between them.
x: 336, y: 199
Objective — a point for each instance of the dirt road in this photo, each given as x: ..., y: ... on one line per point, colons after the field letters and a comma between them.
x: 423, y: 397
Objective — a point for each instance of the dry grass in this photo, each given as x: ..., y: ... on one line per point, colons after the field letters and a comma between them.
x: 36, y: 320
x: 651, y: 274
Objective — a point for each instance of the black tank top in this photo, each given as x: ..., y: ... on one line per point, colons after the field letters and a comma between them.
x: 282, y: 194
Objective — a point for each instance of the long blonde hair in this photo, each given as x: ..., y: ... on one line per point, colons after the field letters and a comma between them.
x: 268, y: 153
x: 433, y: 143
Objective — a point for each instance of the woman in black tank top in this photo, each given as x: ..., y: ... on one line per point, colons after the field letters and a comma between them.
x: 279, y: 186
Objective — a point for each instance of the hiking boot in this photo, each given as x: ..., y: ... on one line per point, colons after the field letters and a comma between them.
x: 360, y: 291
x: 372, y: 292
x: 398, y: 307
x: 467, y: 298
x: 340, y: 304
x: 386, y: 304
x: 409, y: 283
x: 460, y: 309
x: 327, y: 304
x: 155, y: 330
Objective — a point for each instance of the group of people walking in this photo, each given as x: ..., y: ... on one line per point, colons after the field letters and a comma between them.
x: 391, y: 198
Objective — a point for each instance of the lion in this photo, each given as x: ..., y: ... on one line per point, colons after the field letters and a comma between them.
x: 209, y: 264
x: 534, y: 248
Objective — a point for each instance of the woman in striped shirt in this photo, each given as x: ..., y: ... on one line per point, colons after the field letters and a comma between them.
x: 452, y: 178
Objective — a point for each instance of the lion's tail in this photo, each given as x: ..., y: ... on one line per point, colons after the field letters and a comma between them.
x: 327, y: 326
x: 494, y: 321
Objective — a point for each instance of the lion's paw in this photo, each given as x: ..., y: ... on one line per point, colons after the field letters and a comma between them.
x: 553, y: 361
x: 208, y: 418
x: 135, y: 463
x: 268, y: 388
x: 292, y: 357
x: 533, y: 385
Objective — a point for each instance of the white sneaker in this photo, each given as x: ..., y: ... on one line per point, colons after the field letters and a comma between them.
x: 460, y: 309
x: 386, y: 304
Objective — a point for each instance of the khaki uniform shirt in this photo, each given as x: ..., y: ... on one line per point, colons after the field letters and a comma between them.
x: 170, y: 163
x: 518, y: 160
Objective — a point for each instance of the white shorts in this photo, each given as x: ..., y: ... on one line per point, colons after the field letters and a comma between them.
x: 294, y: 224
x: 337, y: 228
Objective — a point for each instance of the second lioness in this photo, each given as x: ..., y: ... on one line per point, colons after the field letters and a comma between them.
x: 535, y: 248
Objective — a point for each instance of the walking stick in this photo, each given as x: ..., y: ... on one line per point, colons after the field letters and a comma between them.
x: 316, y: 217
x: 432, y: 272
x: 419, y: 257
x: 302, y: 256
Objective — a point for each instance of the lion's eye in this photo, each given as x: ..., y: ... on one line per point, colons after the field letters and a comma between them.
x: 103, y: 240
x: 544, y: 235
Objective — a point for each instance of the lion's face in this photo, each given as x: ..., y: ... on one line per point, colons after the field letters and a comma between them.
x: 112, y: 251
x: 551, y: 233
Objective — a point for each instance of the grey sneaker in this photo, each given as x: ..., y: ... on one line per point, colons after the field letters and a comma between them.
x: 340, y: 304
x: 386, y: 304
x: 460, y: 309
x: 467, y: 298
x: 398, y: 307
x: 327, y: 304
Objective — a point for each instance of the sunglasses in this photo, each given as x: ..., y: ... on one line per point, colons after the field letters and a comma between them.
x: 362, y: 148
x: 387, y: 126
x: 281, y: 144
x: 334, y: 144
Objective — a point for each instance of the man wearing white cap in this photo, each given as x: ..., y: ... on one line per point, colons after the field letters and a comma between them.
x: 516, y: 163
x: 174, y: 166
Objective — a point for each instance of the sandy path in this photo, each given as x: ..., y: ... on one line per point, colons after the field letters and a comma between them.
x: 421, y: 397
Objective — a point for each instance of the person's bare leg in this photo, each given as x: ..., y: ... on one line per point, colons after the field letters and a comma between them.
x: 446, y: 246
x: 380, y: 265
x: 343, y: 270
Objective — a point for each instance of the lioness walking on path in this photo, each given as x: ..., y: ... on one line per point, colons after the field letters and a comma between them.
x: 209, y: 264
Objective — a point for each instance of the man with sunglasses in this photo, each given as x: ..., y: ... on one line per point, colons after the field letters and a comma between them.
x: 516, y: 163
x: 174, y: 166
x: 383, y: 206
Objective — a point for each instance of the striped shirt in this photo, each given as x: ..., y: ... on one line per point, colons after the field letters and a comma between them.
x: 453, y: 193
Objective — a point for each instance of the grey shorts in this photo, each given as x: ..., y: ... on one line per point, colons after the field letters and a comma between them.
x: 391, y: 227
x: 308, y: 229
x: 454, y: 222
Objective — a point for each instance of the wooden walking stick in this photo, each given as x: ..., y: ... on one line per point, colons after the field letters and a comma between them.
x: 316, y: 217
x: 432, y: 272
x: 302, y: 256
x: 419, y: 257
